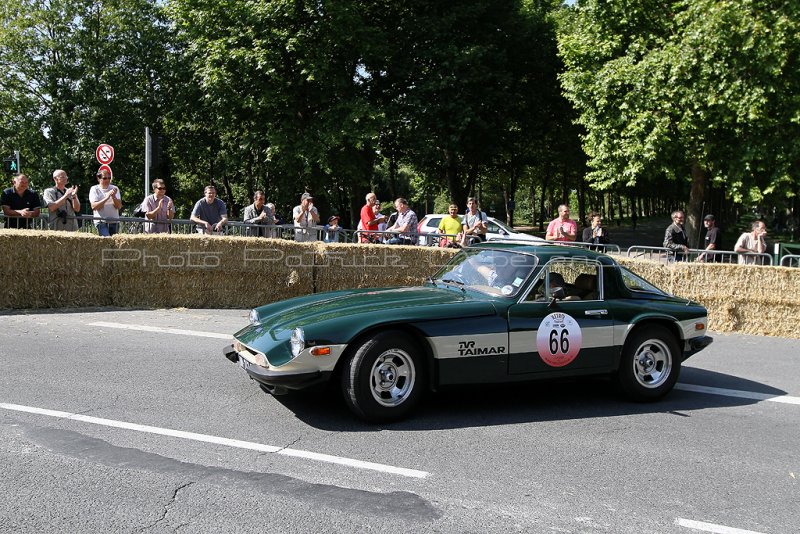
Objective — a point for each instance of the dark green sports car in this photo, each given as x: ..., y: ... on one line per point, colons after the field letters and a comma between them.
x: 495, y: 313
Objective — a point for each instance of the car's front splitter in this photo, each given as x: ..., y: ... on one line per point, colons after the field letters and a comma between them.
x: 281, y: 379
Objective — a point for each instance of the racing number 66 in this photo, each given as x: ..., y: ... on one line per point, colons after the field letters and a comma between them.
x: 554, y: 341
x: 558, y: 339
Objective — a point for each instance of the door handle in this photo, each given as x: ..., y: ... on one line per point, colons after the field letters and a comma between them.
x: 596, y: 312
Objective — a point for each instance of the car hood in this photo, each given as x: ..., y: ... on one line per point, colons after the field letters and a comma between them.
x: 402, y: 301
x: 338, y: 316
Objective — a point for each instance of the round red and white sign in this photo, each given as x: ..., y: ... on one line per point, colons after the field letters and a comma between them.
x: 105, y: 154
x: 105, y: 167
x: 559, y: 339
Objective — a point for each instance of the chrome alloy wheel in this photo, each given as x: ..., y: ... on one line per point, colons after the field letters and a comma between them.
x: 652, y: 363
x: 392, y: 377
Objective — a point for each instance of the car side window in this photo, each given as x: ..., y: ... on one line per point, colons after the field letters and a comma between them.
x: 580, y: 280
x: 493, y: 228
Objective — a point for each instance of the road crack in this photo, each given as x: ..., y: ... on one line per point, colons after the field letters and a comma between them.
x: 168, y: 505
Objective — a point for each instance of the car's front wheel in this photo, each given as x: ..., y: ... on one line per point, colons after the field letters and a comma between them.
x: 385, y: 377
x: 650, y: 365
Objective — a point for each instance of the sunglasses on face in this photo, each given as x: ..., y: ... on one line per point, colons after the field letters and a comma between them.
x: 160, y: 188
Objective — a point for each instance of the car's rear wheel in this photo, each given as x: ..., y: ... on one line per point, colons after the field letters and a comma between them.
x: 385, y: 377
x: 651, y: 363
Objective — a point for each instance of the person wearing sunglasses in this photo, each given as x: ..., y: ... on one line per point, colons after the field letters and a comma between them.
x: 106, y: 202
x: 158, y: 208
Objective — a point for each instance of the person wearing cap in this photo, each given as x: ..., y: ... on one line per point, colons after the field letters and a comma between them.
x: 713, y: 239
x: 332, y: 230
x: 305, y: 218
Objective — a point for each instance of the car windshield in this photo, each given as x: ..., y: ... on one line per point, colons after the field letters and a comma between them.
x: 491, y: 271
x: 637, y: 283
x: 503, y: 227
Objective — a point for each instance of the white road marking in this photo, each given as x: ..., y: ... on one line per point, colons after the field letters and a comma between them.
x: 786, y: 399
x: 260, y: 447
x: 711, y: 527
x: 146, y: 328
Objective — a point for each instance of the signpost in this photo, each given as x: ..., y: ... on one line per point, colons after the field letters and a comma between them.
x: 105, y: 155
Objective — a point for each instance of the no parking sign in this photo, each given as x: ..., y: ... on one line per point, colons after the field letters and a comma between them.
x: 104, y: 154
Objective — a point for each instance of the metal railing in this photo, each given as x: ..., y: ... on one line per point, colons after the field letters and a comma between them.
x: 423, y: 239
x: 137, y: 225
x: 666, y: 255
x: 607, y: 248
x: 790, y: 260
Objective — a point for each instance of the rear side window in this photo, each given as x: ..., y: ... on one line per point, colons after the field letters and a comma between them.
x: 637, y: 283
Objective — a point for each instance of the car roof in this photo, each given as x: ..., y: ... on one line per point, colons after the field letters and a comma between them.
x: 546, y: 250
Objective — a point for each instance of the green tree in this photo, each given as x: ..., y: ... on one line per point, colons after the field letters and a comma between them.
x: 82, y: 73
x: 687, y: 91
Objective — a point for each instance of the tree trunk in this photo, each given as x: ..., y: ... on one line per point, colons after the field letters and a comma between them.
x: 696, y: 200
x: 454, y: 186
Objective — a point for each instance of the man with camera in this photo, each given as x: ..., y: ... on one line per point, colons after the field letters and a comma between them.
x: 62, y: 203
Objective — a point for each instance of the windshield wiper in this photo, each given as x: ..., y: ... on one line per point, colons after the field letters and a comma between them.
x: 453, y: 281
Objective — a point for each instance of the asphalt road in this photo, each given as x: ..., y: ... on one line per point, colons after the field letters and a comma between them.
x: 105, y: 429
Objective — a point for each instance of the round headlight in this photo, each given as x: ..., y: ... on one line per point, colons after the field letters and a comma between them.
x: 253, y: 316
x: 298, y: 341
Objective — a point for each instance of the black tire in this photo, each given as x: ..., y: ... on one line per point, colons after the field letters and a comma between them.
x: 385, y: 377
x: 650, y: 364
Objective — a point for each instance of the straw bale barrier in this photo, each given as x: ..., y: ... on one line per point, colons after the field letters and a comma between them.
x: 43, y: 269
x: 343, y: 266
x: 748, y: 299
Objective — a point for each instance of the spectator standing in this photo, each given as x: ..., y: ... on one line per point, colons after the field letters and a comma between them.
x: 305, y: 217
x: 713, y: 239
x: 158, y: 208
x: 210, y: 213
x: 62, y: 203
x: 473, y: 223
x: 562, y: 228
x: 106, y: 202
x: 406, y: 224
x: 753, y: 242
x: 377, y: 210
x: 259, y: 213
x: 332, y: 230
x: 675, y: 236
x: 19, y: 203
x: 450, y: 225
x: 277, y: 220
x: 595, y: 233
x: 370, y: 219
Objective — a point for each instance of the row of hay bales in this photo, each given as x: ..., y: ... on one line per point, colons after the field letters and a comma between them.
x: 43, y: 269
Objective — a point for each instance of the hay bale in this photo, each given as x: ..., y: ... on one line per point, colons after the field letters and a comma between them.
x: 48, y: 269
x: 344, y: 266
x: 196, y: 271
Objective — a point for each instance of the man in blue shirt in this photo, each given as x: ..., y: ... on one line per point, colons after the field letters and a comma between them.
x: 210, y: 213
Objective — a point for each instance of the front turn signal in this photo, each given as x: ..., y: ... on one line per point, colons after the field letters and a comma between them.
x: 320, y: 351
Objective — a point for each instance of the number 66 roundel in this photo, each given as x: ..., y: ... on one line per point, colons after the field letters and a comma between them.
x: 558, y: 339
